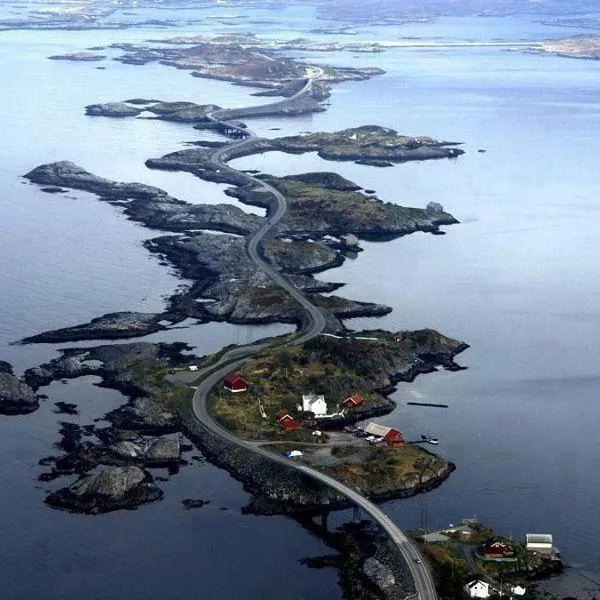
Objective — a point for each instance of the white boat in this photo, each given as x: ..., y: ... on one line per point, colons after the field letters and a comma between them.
x: 429, y: 439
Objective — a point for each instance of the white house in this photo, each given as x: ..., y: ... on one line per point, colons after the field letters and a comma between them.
x: 314, y: 403
x: 478, y: 589
x: 518, y: 590
x: 539, y: 542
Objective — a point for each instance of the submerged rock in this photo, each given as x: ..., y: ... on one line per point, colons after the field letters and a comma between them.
x: 110, y: 489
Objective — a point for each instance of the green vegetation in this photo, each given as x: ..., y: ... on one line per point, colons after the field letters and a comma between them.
x: 149, y: 375
x: 277, y: 379
x: 381, y: 469
x: 314, y: 208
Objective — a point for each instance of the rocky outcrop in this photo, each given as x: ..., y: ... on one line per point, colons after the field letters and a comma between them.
x: 145, y: 416
x: 238, y: 62
x: 160, y: 452
x: 317, y: 211
x: 112, y: 109
x: 111, y: 326
x: 148, y: 204
x: 16, y: 397
x: 369, y: 143
x: 329, y: 181
x: 301, y: 256
x: 110, y: 489
x: 79, y: 57
x: 233, y: 288
x: 181, y: 112
x: 6, y: 367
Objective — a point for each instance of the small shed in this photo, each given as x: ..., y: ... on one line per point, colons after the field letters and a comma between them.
x: 234, y: 383
x: 286, y: 421
x: 478, y: 589
x: 539, y: 542
x: 353, y: 401
x: 314, y: 403
x: 518, y: 590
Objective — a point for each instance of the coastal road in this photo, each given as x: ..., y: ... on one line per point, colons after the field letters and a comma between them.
x: 316, y: 325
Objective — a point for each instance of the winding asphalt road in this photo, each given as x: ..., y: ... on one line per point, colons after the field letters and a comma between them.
x: 316, y: 324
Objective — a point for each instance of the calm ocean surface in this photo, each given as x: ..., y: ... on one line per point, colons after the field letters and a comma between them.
x: 517, y: 280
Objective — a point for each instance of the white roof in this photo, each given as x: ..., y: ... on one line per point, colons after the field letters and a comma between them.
x: 310, y: 400
x: 539, y: 538
x: 478, y: 583
x: 518, y: 590
x: 376, y: 429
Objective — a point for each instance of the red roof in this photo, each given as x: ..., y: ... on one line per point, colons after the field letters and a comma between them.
x: 286, y: 420
x: 394, y: 436
x: 290, y: 423
x: 497, y: 549
x: 234, y: 381
x: 281, y: 414
x: 353, y: 401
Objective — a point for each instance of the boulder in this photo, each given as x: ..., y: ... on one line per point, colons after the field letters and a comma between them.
x: 112, y: 488
x: 163, y: 451
x: 143, y: 415
x: 6, y: 367
x: 381, y: 575
x: 16, y: 397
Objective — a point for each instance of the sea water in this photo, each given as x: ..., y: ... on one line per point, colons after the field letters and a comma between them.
x: 516, y: 280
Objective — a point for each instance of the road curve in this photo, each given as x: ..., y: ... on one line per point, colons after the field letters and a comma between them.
x: 233, y: 359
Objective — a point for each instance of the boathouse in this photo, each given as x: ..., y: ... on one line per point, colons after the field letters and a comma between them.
x: 234, y: 383
x: 393, y: 437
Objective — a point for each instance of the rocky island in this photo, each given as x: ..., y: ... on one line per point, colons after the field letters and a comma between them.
x: 140, y: 433
x: 312, y: 220
x: 579, y: 46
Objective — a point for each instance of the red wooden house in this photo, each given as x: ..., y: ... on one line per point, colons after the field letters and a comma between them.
x: 353, y: 401
x: 394, y: 438
x: 234, y: 383
x: 497, y: 550
x: 286, y: 421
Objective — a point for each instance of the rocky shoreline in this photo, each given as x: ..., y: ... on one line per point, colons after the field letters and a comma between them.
x: 227, y: 286
x: 276, y: 489
x: 112, y: 462
x: 324, y: 211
